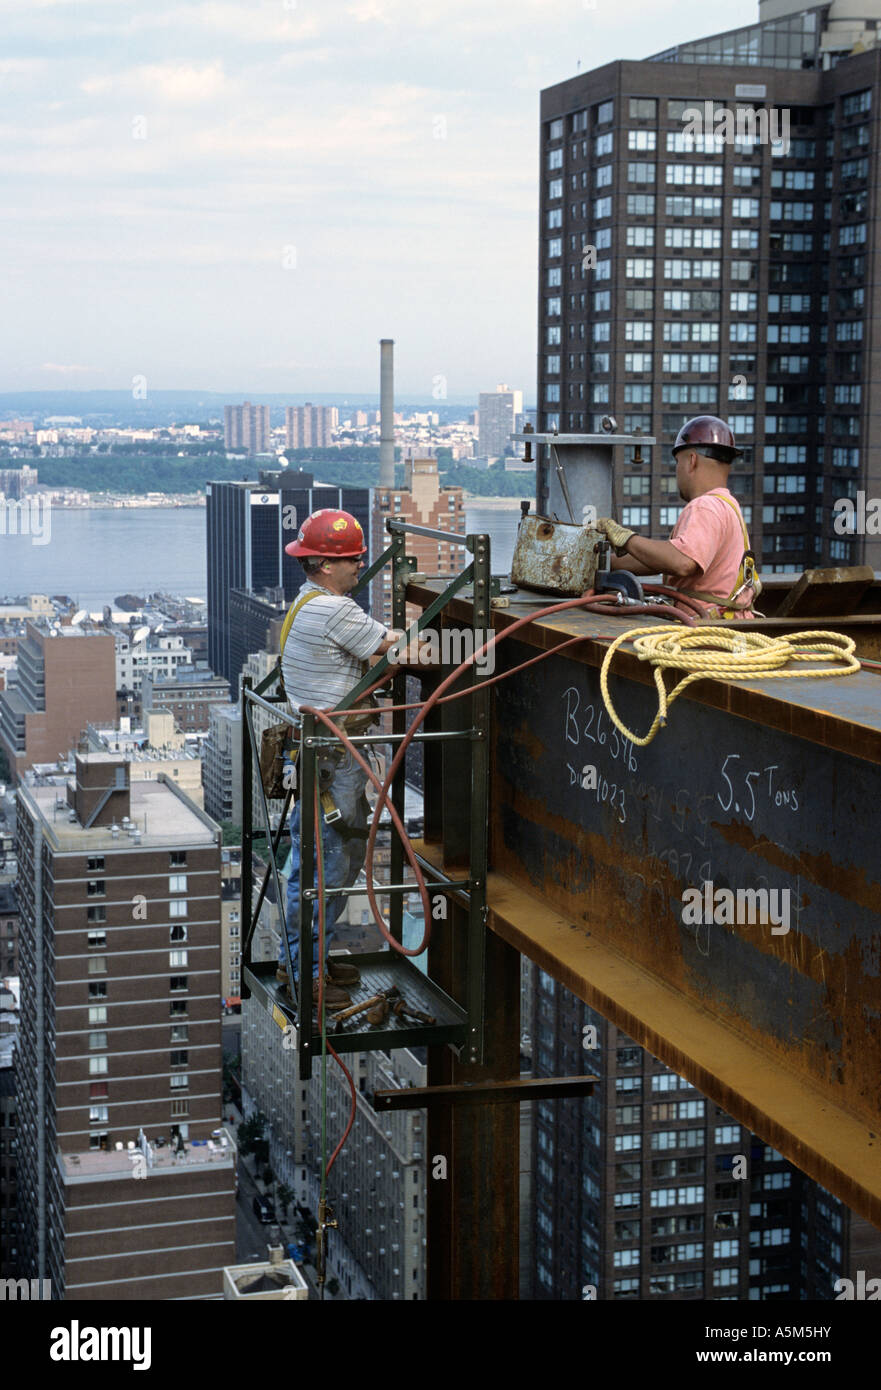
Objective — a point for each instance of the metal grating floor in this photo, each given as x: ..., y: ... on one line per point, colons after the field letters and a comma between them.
x: 379, y: 971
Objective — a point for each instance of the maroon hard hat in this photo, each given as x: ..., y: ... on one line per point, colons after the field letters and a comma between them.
x: 710, y: 436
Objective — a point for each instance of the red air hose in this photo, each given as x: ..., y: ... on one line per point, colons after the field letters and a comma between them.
x: 588, y: 601
x: 591, y: 603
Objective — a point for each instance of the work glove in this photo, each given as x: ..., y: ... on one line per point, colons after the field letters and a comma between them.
x: 618, y: 535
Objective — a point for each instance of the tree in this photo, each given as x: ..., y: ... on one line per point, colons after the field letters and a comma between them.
x: 285, y: 1195
x: 232, y: 833
x: 250, y: 1133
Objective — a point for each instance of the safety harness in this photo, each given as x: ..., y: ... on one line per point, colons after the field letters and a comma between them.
x: 747, y: 576
x: 332, y: 813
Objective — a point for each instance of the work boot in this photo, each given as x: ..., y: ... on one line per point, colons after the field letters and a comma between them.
x: 281, y: 974
x: 342, y: 973
x: 335, y: 997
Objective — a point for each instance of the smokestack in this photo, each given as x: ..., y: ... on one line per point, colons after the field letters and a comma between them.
x: 386, y: 412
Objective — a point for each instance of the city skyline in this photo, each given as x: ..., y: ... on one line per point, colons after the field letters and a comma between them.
x: 181, y: 218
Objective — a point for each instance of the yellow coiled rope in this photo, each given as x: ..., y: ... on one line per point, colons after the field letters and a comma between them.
x: 727, y: 653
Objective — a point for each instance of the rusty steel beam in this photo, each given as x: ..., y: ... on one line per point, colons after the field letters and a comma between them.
x: 472, y: 1207
x: 597, y: 846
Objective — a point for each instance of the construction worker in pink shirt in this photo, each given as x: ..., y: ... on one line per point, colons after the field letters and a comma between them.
x: 708, y: 556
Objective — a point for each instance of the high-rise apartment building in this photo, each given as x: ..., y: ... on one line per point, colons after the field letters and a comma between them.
x: 500, y: 414
x: 310, y: 426
x: 126, y: 1182
x: 246, y: 427
x: 248, y: 526
x: 9, y: 1129
x: 706, y: 243
x: 231, y: 925
x: 65, y: 677
x: 9, y: 919
x: 378, y: 1184
x: 422, y: 501
x: 649, y: 1190
x: 222, y: 764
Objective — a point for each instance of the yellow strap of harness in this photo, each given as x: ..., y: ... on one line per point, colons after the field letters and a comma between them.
x: 292, y: 613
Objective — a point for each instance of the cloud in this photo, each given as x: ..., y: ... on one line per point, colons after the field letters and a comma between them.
x: 165, y: 82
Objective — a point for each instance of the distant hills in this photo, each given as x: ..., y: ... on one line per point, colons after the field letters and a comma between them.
x: 195, y: 407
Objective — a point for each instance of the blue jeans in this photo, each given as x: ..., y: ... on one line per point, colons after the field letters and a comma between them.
x: 343, y: 855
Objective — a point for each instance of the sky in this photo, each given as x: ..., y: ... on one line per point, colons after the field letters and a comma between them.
x: 246, y: 195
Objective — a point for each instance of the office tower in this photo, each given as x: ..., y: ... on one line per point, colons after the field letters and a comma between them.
x: 422, y: 501
x: 637, y: 1189
x: 498, y: 417
x: 126, y: 1183
x: 255, y: 623
x: 65, y: 677
x: 701, y: 265
x: 310, y: 426
x: 246, y: 427
x: 248, y: 526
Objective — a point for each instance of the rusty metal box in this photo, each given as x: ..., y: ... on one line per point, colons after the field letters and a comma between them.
x: 555, y: 557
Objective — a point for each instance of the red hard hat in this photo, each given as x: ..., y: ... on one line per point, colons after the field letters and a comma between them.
x: 710, y: 436
x: 329, y: 532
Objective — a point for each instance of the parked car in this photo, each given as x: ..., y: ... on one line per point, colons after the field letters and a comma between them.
x: 263, y: 1210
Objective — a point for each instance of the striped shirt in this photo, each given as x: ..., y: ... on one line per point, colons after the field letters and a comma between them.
x: 326, y: 651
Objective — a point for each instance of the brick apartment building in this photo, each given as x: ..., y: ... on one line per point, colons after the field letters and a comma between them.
x: 66, y: 677
x: 119, y: 1070
x: 422, y: 501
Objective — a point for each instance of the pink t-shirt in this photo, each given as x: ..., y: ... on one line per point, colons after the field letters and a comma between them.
x: 709, y: 531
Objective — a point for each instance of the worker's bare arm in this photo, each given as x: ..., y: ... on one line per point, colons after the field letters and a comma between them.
x: 655, y: 557
x: 393, y: 637
x: 629, y: 562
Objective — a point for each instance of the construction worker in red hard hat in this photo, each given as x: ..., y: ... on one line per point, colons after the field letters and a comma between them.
x: 708, y: 556
x: 326, y: 643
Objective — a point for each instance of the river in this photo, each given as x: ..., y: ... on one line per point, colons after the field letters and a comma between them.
x: 95, y: 555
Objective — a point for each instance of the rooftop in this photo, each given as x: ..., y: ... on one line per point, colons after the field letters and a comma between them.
x: 88, y: 1165
x: 161, y: 813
